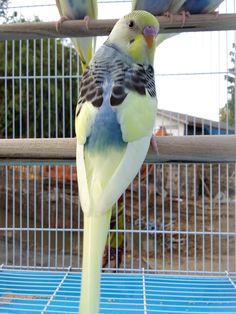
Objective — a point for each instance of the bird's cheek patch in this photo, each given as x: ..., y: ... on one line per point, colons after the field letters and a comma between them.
x: 137, y: 48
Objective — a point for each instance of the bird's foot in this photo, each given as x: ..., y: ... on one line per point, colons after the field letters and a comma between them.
x: 214, y: 13
x: 87, y: 21
x: 153, y: 143
x: 169, y: 15
x: 60, y: 22
x: 113, y: 257
x: 184, y: 14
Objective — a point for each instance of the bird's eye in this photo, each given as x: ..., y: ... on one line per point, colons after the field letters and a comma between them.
x: 131, y: 24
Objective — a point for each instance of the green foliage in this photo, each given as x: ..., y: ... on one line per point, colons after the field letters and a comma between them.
x: 227, y: 113
x: 4, y: 16
x: 38, y: 93
x: 38, y: 85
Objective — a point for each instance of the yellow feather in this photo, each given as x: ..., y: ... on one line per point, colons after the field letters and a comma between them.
x: 84, y: 121
x: 136, y: 116
x: 78, y: 9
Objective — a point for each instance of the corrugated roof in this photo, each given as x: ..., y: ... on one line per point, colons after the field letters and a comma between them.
x: 192, y: 120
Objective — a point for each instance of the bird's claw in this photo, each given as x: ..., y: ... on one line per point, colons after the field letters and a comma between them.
x: 184, y: 14
x: 114, y: 255
x: 60, y: 22
x: 169, y: 15
x: 215, y: 13
x: 87, y: 20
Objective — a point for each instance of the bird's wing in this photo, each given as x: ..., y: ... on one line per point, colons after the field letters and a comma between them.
x: 212, y: 6
x: 134, y: 4
x: 59, y: 7
x: 94, y: 9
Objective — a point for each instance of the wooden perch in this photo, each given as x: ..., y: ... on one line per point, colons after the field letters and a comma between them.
x: 77, y: 28
x: 171, y: 149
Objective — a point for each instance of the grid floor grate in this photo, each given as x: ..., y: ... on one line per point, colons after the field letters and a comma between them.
x: 58, y: 292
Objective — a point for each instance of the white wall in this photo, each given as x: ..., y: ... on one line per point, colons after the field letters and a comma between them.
x: 173, y: 127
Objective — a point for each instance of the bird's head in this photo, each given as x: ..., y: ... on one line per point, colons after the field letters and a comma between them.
x: 135, y: 35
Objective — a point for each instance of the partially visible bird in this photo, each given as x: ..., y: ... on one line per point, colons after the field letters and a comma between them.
x: 175, y: 6
x: 159, y: 7
x: 200, y: 6
x: 114, y: 248
x: 115, y: 117
x: 156, y: 7
x: 78, y: 10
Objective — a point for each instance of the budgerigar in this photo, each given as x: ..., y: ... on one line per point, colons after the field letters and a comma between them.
x: 156, y: 7
x: 114, y: 121
x: 201, y: 6
x: 115, y: 243
x: 78, y: 10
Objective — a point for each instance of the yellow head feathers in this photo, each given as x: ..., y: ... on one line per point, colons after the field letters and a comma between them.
x: 135, y: 34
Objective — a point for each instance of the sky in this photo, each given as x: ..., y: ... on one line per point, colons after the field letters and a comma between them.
x: 190, y: 68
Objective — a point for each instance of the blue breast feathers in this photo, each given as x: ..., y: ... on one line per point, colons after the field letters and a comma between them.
x: 195, y: 6
x: 79, y: 9
x: 106, y: 132
x: 156, y: 7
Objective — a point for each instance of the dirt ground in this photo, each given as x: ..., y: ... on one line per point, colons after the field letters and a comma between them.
x: 183, y: 217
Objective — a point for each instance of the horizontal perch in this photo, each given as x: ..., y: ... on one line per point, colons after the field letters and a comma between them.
x: 77, y: 28
x: 170, y: 149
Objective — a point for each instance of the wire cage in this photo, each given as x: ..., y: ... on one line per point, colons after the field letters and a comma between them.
x: 171, y: 247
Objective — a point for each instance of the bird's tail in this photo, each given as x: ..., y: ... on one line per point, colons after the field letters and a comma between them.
x: 85, y: 47
x: 95, y: 233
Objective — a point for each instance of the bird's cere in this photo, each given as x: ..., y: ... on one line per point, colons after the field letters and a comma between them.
x: 150, y: 31
x: 149, y: 34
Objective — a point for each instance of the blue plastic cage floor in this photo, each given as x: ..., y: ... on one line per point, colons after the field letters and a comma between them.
x: 58, y: 292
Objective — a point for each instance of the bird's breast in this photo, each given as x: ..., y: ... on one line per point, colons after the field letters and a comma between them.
x: 196, y: 7
x: 74, y: 9
x: 106, y: 132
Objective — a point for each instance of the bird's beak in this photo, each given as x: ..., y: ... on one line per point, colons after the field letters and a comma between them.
x: 149, y: 34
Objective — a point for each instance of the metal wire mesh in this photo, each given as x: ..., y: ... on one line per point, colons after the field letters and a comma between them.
x: 177, y: 217
x: 120, y: 293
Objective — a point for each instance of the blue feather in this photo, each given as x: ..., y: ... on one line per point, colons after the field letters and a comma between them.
x: 195, y: 6
x: 106, y: 132
x: 200, y: 6
x: 156, y: 7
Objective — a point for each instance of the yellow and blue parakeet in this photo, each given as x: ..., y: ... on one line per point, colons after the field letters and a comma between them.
x: 156, y: 7
x: 114, y: 121
x: 78, y: 10
x: 201, y: 6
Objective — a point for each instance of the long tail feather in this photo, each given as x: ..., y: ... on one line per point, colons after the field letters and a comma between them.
x: 95, y: 233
